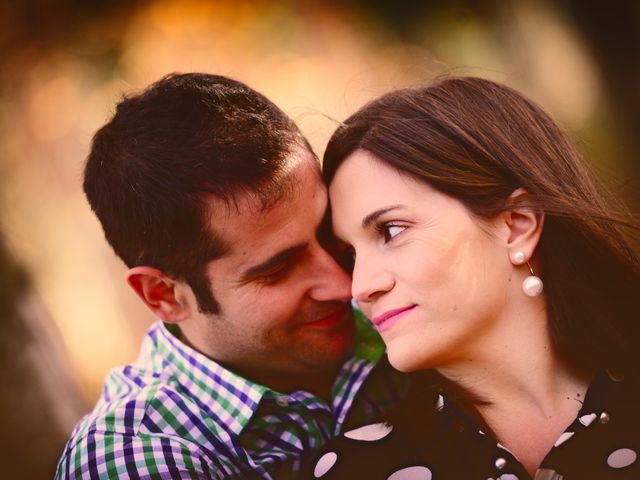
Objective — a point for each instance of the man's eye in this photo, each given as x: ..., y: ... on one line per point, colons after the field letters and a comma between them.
x: 276, y: 273
x: 391, y: 230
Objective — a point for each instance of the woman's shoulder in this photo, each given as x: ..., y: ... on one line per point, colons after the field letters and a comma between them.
x: 420, y: 436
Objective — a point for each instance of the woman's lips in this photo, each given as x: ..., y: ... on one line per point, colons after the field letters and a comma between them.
x: 388, y: 318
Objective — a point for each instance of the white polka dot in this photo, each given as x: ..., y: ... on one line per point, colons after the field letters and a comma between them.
x: 411, y: 473
x: 547, y: 474
x: 563, y: 438
x: 615, y: 376
x: 623, y: 457
x: 440, y: 403
x: 587, y: 420
x: 325, y: 463
x: 370, y: 433
x: 499, y: 445
x: 500, y: 463
x: 508, y: 476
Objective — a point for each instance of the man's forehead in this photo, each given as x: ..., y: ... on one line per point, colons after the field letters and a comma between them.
x: 264, y: 201
x: 247, y: 223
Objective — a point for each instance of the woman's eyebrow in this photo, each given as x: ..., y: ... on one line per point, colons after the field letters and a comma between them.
x: 373, y: 216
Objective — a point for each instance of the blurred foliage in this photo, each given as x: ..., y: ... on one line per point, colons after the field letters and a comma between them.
x: 39, y: 403
x: 612, y: 32
x: 13, y: 281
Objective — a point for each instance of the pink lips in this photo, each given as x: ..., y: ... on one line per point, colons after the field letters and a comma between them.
x: 387, y: 319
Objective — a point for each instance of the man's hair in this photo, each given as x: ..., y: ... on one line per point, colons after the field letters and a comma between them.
x: 166, y: 152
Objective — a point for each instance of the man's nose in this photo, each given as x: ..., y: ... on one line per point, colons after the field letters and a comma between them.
x: 334, y: 284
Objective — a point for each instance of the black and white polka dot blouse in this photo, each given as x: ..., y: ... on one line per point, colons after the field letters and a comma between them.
x: 602, y: 443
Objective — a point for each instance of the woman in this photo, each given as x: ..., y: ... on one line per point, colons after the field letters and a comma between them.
x: 458, y: 201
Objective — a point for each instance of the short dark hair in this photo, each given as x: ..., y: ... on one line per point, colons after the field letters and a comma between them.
x: 166, y: 151
x: 478, y: 141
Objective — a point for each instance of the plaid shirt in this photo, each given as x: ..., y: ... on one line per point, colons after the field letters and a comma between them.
x: 177, y: 414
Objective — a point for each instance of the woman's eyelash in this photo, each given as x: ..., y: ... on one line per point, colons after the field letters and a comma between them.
x: 385, y: 229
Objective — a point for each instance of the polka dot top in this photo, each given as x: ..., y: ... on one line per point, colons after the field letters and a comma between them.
x: 603, y: 442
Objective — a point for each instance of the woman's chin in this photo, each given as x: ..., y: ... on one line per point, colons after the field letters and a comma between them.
x: 404, y: 361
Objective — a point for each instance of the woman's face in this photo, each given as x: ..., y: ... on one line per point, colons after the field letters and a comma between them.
x: 434, y: 280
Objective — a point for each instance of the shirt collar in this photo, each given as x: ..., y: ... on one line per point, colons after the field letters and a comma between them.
x: 231, y: 398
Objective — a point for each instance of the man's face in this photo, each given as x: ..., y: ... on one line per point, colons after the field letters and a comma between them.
x: 284, y: 301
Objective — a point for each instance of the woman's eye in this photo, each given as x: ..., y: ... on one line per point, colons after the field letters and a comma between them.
x: 390, y: 231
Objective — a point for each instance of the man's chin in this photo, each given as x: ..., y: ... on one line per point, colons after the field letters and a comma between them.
x: 329, y: 340
x: 338, y: 343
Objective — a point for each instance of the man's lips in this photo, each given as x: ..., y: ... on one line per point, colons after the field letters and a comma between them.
x: 330, y: 320
x: 388, y: 318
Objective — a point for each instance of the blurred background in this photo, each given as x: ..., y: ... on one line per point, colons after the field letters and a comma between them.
x: 66, y: 315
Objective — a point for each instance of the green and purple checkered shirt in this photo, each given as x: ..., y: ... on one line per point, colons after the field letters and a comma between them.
x: 177, y: 414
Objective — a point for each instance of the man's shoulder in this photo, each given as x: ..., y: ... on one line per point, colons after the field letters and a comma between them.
x: 141, y: 402
x: 136, y: 402
x: 148, y: 416
x: 170, y: 390
x: 130, y: 430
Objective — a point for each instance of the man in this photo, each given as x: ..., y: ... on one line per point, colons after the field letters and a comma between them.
x: 214, y: 200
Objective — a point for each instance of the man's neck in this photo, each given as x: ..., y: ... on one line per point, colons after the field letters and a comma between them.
x: 319, y: 384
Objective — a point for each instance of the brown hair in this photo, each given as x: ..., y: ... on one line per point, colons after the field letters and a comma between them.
x: 478, y: 141
x: 167, y: 151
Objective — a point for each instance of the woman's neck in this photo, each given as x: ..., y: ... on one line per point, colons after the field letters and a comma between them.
x: 524, y: 386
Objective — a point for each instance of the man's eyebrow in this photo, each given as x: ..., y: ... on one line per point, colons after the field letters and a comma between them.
x: 372, y: 217
x: 271, y: 262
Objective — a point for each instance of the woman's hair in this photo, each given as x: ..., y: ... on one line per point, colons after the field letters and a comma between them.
x: 478, y: 141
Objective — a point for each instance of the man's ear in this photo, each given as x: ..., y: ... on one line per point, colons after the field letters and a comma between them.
x: 524, y: 224
x: 158, y: 292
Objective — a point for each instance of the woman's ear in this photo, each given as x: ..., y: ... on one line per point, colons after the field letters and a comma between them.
x: 158, y: 292
x: 524, y: 224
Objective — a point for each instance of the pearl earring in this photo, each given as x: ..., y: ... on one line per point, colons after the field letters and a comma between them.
x: 518, y: 258
x: 532, y: 285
